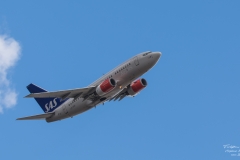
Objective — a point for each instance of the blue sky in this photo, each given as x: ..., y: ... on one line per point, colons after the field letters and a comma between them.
x: 189, y: 110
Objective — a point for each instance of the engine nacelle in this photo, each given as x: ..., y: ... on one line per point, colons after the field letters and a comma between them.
x: 136, y: 86
x: 105, y: 86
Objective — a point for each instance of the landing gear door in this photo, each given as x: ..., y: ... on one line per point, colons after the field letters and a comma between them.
x: 136, y: 62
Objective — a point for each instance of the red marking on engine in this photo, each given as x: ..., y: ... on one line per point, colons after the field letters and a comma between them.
x: 106, y: 85
x: 137, y: 86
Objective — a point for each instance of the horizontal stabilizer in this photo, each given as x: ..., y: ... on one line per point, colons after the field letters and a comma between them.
x: 63, y: 94
x: 37, y: 117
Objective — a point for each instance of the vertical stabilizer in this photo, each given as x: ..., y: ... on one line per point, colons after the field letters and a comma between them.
x: 47, y: 104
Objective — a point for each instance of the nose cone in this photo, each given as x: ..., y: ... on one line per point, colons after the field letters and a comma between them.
x: 150, y: 59
x: 157, y: 55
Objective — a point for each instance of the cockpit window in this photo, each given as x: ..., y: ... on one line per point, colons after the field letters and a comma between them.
x: 146, y: 53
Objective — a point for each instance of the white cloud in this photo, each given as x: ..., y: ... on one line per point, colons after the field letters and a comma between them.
x: 9, y: 54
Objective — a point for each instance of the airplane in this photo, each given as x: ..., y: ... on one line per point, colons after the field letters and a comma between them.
x: 118, y: 83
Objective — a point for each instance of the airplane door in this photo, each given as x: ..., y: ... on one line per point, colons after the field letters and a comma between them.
x: 136, y: 61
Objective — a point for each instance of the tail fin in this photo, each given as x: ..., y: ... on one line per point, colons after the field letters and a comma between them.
x: 47, y: 104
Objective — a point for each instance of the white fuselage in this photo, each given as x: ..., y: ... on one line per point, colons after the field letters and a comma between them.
x: 123, y: 74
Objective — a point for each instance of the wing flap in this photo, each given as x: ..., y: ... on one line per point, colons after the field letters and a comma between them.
x: 62, y: 94
x: 37, y: 117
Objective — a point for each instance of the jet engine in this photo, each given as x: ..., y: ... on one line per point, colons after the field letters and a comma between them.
x: 136, y: 86
x: 105, y: 87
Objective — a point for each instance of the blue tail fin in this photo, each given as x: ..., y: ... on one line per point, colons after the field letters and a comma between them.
x: 47, y: 104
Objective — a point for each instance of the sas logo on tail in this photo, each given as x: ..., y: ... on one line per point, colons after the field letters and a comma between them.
x: 51, y: 105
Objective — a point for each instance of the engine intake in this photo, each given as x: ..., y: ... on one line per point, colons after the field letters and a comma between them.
x: 105, y: 87
x: 136, y: 86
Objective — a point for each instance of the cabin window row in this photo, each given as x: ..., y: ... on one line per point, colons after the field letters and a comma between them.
x: 123, y: 68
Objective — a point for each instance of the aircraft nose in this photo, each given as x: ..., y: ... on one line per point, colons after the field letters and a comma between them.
x: 157, y: 54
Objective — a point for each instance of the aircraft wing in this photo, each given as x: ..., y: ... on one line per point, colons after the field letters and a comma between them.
x: 37, y: 117
x: 73, y: 93
x: 120, y: 95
